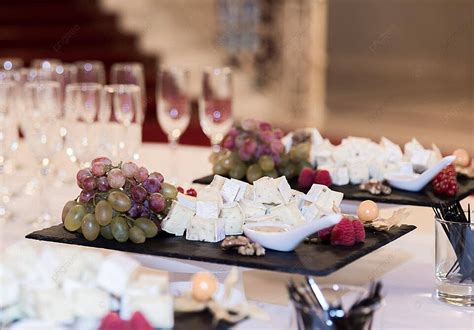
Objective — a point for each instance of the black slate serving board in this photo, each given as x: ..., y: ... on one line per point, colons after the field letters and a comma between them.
x: 426, y: 197
x: 307, y: 259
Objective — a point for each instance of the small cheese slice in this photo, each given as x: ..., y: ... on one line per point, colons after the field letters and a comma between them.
x: 377, y: 170
x: 217, y: 182
x: 244, y: 190
x: 208, y: 203
x: 229, y: 191
x: 186, y: 200
x: 234, y: 218
x: 115, y: 272
x: 266, y: 191
x: 205, y: 229
x: 358, y: 170
x: 284, y: 189
x: 177, y: 219
x: 392, y: 151
x: 262, y: 218
x: 252, y: 208
x: 325, y: 198
x: 90, y: 303
x: 157, y: 309
x: 298, y: 197
x: 288, y: 214
x: 311, y: 212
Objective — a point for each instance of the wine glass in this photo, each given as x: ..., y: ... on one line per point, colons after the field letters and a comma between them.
x: 42, y: 107
x: 10, y: 63
x: 45, y: 63
x: 82, y: 104
x: 173, y: 110
x: 90, y: 71
x: 132, y: 73
x: 9, y: 96
x: 123, y: 103
x: 215, y: 104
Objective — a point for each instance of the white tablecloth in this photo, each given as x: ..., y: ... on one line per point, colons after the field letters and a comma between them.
x: 405, y: 266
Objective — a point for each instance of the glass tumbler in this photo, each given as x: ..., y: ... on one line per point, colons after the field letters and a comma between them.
x: 454, y: 264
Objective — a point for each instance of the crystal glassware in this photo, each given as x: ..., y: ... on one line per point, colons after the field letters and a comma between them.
x: 10, y: 63
x: 9, y: 96
x: 173, y: 109
x: 454, y: 262
x: 132, y: 73
x: 90, y: 71
x: 215, y: 105
x: 82, y: 104
x: 41, y: 126
x: 123, y: 103
x: 45, y: 63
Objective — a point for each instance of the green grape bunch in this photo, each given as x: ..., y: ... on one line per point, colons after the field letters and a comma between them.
x: 122, y: 202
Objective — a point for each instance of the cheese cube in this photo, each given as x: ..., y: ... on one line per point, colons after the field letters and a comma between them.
x: 244, y: 190
x: 177, y: 219
x: 234, y: 218
x: 376, y: 170
x: 252, y: 209
x: 411, y: 148
x: 392, y: 151
x: 157, y: 309
x: 205, y: 229
x: 115, y: 272
x: 284, y: 189
x: 311, y: 212
x: 324, y: 198
x: 217, y: 182
x: 405, y: 168
x: 358, y: 170
x: 266, y: 191
x: 420, y: 159
x: 341, y: 176
x: 52, y: 305
x: 298, y: 197
x: 188, y: 201
x: 341, y: 153
x: 230, y: 190
x: 288, y: 214
x: 90, y: 303
x: 208, y: 203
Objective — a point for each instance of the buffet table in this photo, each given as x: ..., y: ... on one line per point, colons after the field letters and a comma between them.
x: 406, y: 266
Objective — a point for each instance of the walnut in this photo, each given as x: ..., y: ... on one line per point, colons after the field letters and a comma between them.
x: 234, y: 241
x: 376, y: 187
x: 251, y: 249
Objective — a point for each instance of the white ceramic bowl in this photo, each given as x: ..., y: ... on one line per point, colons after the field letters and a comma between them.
x: 289, y: 239
x: 416, y: 182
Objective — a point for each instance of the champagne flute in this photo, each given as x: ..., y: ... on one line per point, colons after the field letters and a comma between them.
x: 132, y: 73
x: 82, y: 104
x: 173, y: 110
x: 41, y: 127
x: 45, y: 63
x: 124, y: 103
x: 215, y: 104
x: 90, y: 71
x: 9, y: 96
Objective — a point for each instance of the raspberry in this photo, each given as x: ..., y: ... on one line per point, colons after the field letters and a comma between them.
x: 343, y: 233
x: 139, y: 322
x: 322, y: 177
x: 359, y: 231
x: 325, y: 234
x: 180, y: 189
x: 191, y: 192
x: 112, y: 322
x: 306, y: 177
x: 445, y: 182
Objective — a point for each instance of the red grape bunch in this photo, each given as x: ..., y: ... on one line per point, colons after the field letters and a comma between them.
x: 119, y: 202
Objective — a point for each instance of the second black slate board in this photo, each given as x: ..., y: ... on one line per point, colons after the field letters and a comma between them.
x: 307, y: 259
x: 426, y: 197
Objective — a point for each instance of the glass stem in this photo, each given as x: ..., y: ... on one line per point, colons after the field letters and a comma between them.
x: 173, y: 149
x: 44, y: 171
x: 3, y: 193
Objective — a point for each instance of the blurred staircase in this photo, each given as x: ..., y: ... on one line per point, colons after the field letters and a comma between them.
x: 73, y: 30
